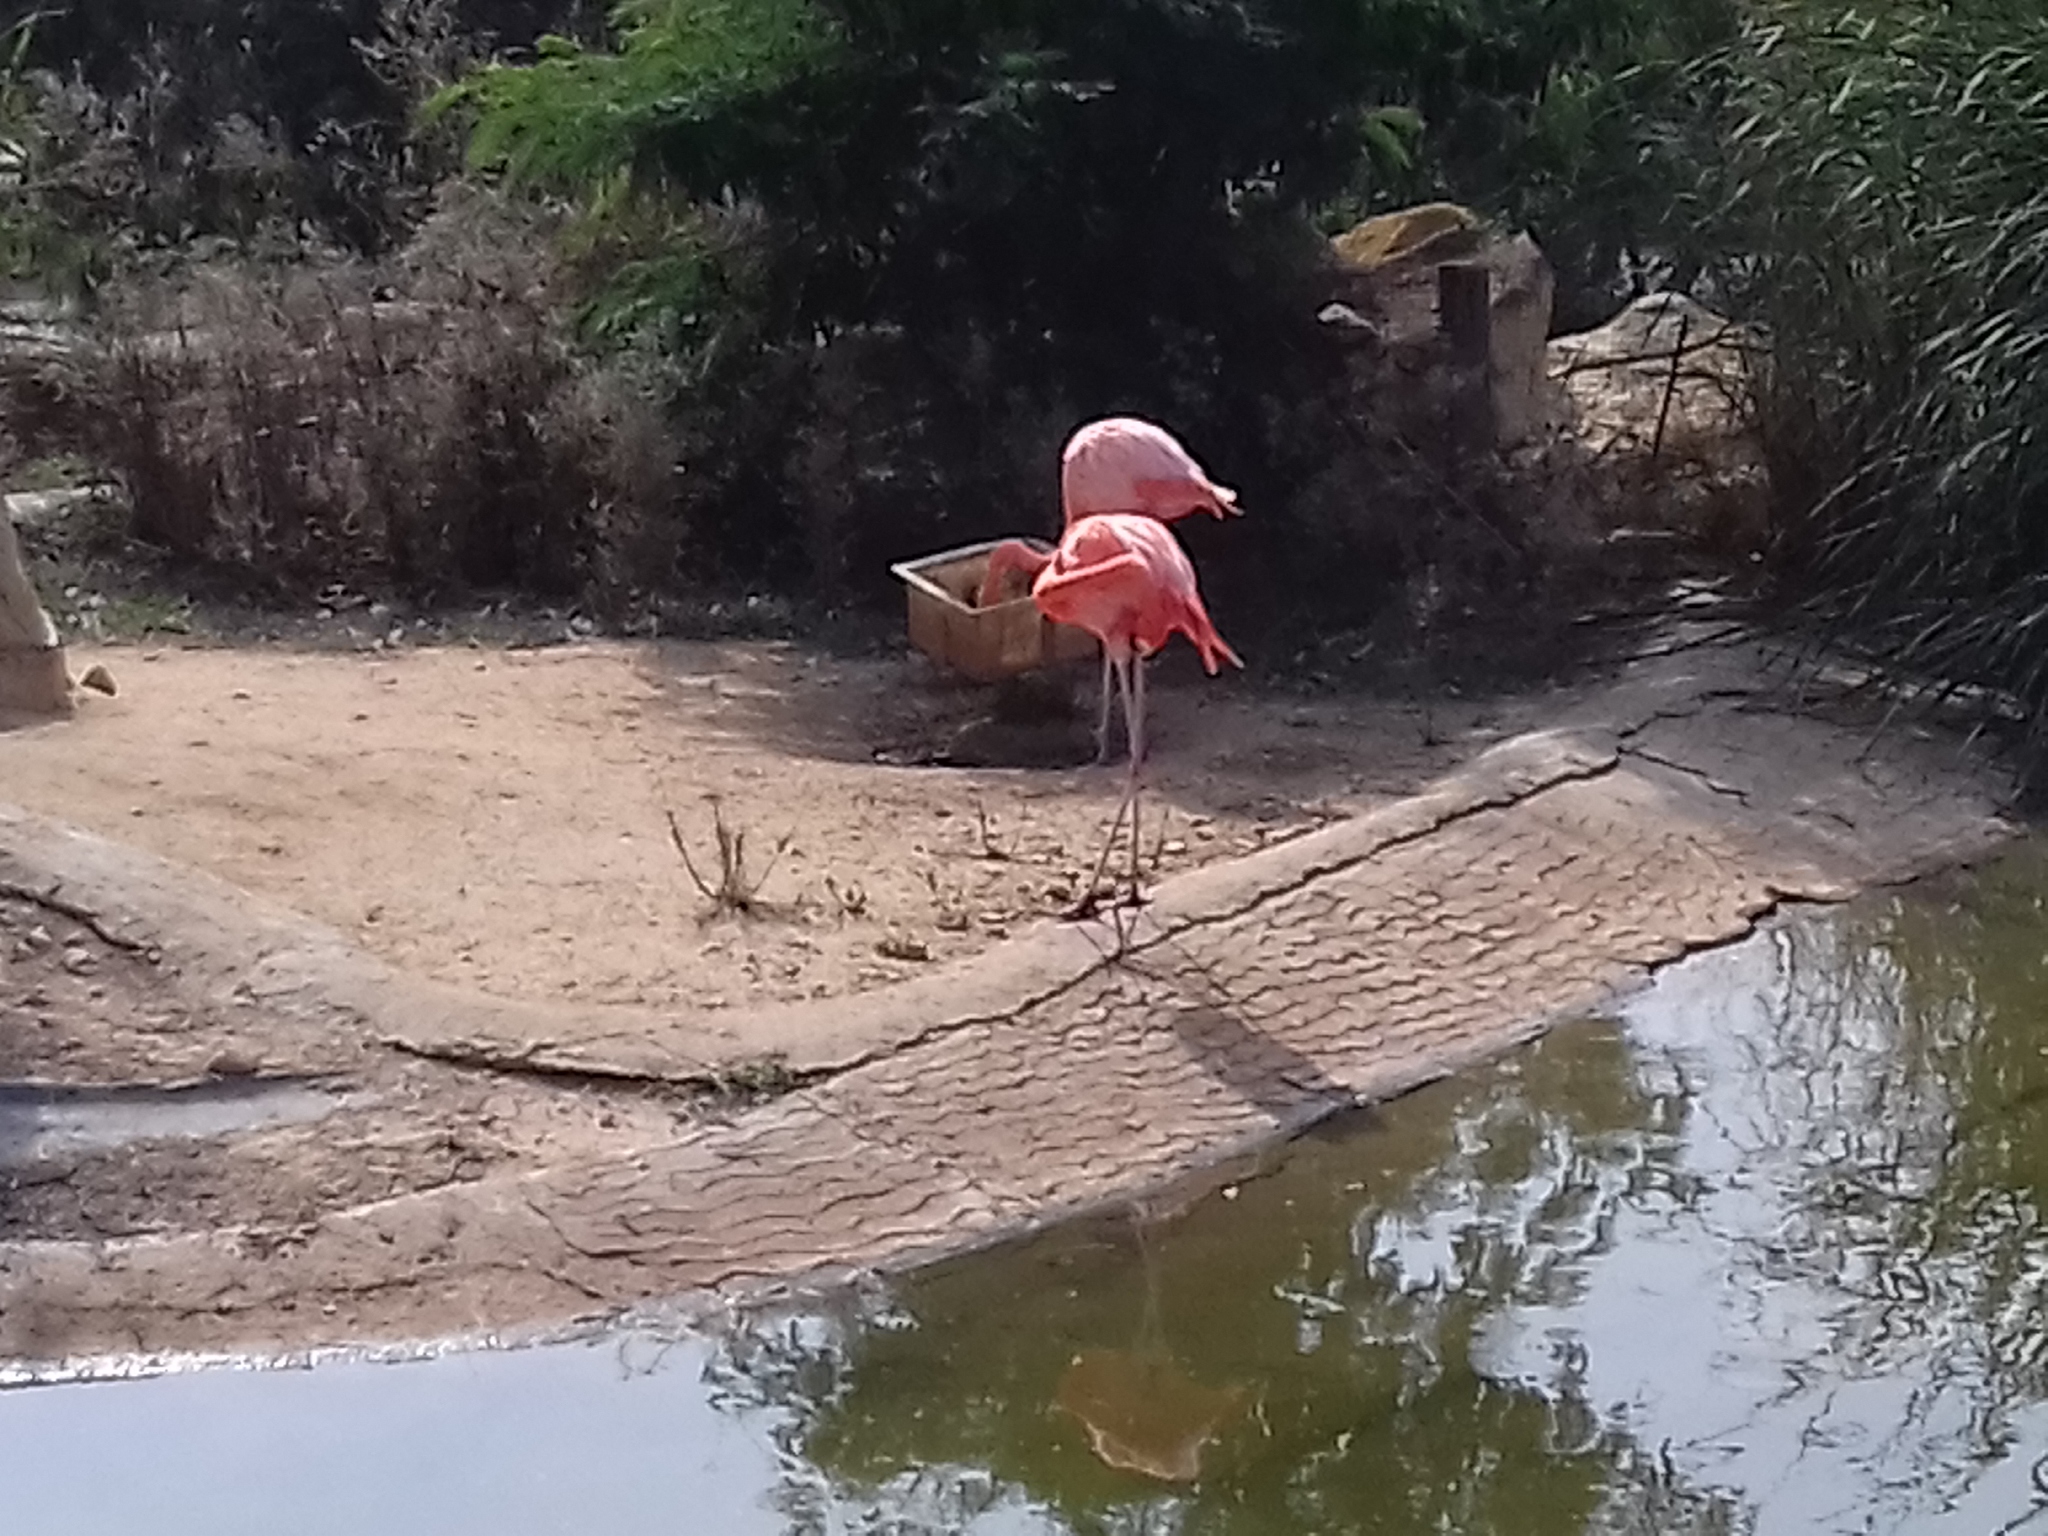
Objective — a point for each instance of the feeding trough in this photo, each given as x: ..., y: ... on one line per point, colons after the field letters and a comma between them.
x: 1003, y: 640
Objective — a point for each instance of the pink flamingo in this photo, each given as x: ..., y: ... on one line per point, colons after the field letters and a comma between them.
x: 1124, y: 464
x: 1125, y: 579
x: 1119, y: 464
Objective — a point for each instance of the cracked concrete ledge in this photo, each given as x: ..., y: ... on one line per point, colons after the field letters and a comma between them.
x: 238, y: 947
x: 1059, y: 1072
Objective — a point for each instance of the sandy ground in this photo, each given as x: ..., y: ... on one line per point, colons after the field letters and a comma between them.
x: 498, y: 818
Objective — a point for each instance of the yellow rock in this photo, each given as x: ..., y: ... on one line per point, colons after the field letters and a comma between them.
x: 1391, y: 236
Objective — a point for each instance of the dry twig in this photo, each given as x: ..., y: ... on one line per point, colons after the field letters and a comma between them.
x: 735, y: 889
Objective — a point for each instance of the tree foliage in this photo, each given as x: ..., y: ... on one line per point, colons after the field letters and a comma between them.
x: 964, y: 150
x: 924, y: 224
x: 33, y: 239
x: 1587, y: 122
x: 1040, y: 164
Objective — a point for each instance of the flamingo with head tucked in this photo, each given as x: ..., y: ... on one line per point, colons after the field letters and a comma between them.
x: 1124, y: 465
x: 1127, y: 464
x: 1125, y: 579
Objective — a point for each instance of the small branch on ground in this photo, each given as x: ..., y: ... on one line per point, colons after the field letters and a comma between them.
x: 989, y: 848
x: 851, y: 897
x: 735, y: 890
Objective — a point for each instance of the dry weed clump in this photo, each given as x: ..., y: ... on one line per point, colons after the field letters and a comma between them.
x: 737, y: 888
x: 425, y: 420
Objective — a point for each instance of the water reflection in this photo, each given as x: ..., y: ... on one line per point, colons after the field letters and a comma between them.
x: 1762, y: 1255
x: 1346, y: 1299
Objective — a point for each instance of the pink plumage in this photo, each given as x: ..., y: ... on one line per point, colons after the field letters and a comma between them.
x: 1124, y: 464
x: 1118, y: 572
x: 1012, y: 556
x: 1125, y: 579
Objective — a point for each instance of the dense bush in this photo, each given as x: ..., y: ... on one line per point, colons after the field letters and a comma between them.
x: 421, y: 421
x: 1052, y: 164
x: 1588, y: 124
x: 1887, y: 225
x: 166, y: 120
x: 913, y: 245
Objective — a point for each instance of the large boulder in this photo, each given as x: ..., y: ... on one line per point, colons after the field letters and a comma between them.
x: 1659, y: 396
x: 1440, y: 229
x: 1667, y: 372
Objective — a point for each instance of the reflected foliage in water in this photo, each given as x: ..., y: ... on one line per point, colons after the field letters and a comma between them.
x: 1339, y: 1299
x: 1905, y: 1098
x: 1764, y: 1254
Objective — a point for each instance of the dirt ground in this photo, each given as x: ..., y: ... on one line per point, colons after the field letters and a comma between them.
x: 498, y: 818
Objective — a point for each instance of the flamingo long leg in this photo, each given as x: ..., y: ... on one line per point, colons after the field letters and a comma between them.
x: 1134, y: 718
x: 1116, y: 825
x: 1108, y: 698
x: 1134, y: 712
x: 1121, y: 671
x: 1132, y: 792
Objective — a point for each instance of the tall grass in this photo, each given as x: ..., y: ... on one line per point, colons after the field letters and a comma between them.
x: 1888, y: 204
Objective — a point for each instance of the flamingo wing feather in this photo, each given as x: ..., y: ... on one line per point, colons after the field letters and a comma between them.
x: 1096, y: 595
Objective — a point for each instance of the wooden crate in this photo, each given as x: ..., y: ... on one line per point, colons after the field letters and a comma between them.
x: 986, y: 644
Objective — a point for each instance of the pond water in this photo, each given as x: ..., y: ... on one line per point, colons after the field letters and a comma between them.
x: 39, y: 1122
x: 1762, y: 1253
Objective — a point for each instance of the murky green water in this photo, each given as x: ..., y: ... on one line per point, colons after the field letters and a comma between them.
x: 1765, y: 1253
